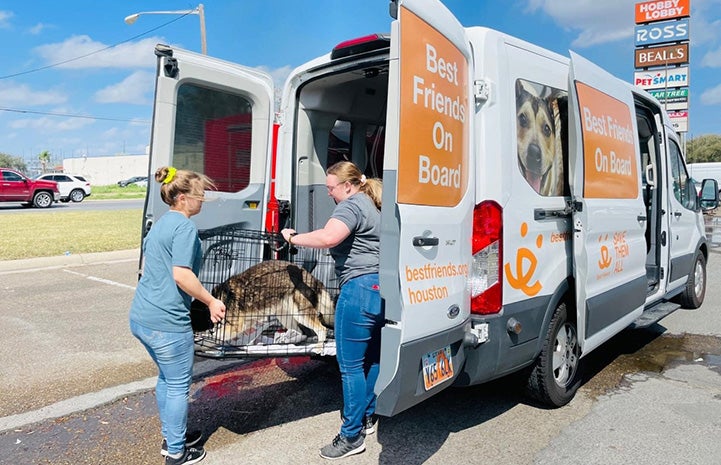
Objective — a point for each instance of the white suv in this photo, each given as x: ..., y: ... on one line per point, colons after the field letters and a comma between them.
x: 71, y: 187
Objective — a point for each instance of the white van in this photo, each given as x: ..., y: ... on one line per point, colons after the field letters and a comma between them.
x: 533, y: 204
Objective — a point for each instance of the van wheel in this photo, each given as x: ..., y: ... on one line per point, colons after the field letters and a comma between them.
x: 693, y: 295
x: 555, y: 375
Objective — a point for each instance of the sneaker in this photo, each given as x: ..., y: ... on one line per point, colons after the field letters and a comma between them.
x: 369, y: 425
x: 189, y: 455
x: 191, y: 439
x: 343, y: 447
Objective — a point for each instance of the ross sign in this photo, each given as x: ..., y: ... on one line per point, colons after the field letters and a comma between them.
x: 610, y: 165
x: 662, y: 56
x: 662, y: 78
x: 660, y: 10
x: 435, y: 115
x: 660, y: 33
x: 672, y: 99
x: 679, y: 120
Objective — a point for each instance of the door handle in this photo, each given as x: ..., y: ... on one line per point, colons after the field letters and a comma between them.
x: 677, y: 214
x: 421, y: 241
x: 641, y: 218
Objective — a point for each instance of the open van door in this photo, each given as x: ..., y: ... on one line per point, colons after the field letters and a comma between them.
x: 427, y: 206
x: 609, y: 218
x: 216, y: 118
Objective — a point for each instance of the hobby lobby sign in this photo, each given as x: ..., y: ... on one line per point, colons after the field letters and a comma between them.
x: 662, y: 9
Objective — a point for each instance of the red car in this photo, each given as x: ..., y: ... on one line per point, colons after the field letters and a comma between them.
x: 16, y: 187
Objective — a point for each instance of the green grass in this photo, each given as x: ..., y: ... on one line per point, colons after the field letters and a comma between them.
x: 46, y: 234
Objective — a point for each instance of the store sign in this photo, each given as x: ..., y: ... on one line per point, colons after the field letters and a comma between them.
x: 662, y: 56
x: 660, y: 10
x: 672, y: 99
x: 662, y: 78
x: 679, y: 120
x: 660, y: 33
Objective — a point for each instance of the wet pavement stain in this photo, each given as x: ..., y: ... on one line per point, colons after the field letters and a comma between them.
x: 645, y: 350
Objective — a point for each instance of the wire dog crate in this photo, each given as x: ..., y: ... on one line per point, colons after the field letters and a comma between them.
x: 279, y: 302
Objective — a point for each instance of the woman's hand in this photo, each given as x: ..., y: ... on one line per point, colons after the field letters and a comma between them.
x: 287, y: 233
x: 217, y: 310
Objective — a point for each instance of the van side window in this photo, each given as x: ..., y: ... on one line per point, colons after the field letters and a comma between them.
x: 213, y: 130
x: 683, y: 189
x: 542, y: 136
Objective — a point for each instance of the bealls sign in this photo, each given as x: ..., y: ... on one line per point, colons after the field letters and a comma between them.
x: 661, y: 56
x: 662, y: 78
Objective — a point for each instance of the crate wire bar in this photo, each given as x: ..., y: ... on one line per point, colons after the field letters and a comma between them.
x: 231, y: 250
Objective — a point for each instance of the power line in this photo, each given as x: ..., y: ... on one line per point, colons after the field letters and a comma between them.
x: 22, y: 73
x: 70, y: 115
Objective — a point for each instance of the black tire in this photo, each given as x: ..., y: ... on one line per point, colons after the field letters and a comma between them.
x: 77, y: 195
x: 555, y: 383
x: 42, y: 199
x: 695, y: 291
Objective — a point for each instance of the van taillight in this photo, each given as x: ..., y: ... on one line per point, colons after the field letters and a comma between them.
x: 360, y: 45
x: 484, y: 280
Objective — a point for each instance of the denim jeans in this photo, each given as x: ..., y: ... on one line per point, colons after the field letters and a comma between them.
x: 358, y: 322
x: 173, y: 354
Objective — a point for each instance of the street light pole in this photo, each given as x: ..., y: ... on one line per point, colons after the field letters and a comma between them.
x: 199, y: 10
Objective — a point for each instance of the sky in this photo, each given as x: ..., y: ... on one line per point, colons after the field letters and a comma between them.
x: 76, y: 80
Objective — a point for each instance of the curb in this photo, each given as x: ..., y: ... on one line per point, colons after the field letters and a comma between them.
x: 60, y: 261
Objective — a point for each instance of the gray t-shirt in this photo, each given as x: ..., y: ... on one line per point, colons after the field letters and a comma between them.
x: 359, y: 253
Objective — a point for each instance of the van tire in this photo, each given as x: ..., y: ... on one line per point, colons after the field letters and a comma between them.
x: 695, y: 291
x: 556, y: 385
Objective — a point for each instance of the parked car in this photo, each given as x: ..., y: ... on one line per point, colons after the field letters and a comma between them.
x: 133, y: 180
x: 16, y: 187
x: 71, y: 187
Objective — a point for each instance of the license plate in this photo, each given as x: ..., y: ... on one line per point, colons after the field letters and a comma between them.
x: 437, y: 367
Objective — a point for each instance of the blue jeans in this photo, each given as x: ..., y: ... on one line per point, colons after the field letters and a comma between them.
x: 173, y: 354
x: 358, y: 322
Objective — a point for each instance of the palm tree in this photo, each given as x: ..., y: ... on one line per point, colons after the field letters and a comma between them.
x: 44, y: 158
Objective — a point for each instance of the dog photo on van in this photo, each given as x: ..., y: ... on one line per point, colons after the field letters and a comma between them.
x: 273, y: 290
x: 540, y: 121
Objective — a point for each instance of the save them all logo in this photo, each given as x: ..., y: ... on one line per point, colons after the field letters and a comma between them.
x: 521, y: 280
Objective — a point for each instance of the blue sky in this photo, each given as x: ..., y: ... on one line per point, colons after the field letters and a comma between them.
x: 79, y: 58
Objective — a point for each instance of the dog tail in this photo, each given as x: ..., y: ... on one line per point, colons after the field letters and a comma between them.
x: 326, y: 309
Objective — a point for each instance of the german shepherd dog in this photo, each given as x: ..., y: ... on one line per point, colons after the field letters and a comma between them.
x: 274, y: 289
x: 540, y: 154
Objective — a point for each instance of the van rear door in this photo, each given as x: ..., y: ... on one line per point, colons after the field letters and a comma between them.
x: 609, y: 220
x: 427, y: 206
x: 213, y: 117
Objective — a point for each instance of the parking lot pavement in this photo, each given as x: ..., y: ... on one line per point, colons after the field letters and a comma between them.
x: 13, y: 266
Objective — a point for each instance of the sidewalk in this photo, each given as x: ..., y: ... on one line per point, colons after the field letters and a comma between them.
x: 60, y: 261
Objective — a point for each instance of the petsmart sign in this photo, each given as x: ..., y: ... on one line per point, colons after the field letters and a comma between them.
x: 610, y: 166
x: 662, y: 78
x: 434, y: 116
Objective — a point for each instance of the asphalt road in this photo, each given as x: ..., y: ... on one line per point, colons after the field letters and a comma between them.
x: 85, y: 205
x: 77, y: 389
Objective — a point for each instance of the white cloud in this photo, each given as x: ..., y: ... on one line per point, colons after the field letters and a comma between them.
x: 279, y: 75
x: 5, y: 19
x: 21, y: 94
x: 51, y: 124
x: 37, y: 29
x: 67, y: 54
x: 711, y: 96
x: 712, y: 59
x: 133, y: 89
x: 599, y: 22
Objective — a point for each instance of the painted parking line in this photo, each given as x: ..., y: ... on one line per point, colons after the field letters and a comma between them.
x: 100, y: 280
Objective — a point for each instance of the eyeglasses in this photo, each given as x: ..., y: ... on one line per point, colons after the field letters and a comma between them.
x: 331, y: 188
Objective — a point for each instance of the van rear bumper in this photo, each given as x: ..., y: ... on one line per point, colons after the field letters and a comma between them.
x: 400, y: 383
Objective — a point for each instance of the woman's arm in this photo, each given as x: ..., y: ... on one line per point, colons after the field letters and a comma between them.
x: 332, y: 234
x: 191, y: 285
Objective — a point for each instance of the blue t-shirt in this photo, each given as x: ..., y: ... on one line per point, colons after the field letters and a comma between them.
x: 159, y: 304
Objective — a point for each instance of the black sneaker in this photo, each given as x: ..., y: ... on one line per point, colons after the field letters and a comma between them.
x: 343, y: 447
x: 369, y: 425
x: 191, y: 439
x: 189, y: 455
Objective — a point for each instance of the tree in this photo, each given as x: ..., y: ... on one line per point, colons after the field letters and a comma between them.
x: 8, y: 161
x: 44, y: 158
x: 703, y: 149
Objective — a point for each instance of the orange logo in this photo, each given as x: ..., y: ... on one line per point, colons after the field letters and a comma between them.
x: 523, y: 276
x: 605, y: 260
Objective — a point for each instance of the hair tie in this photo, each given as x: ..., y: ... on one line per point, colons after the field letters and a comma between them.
x: 363, y: 179
x: 170, y: 176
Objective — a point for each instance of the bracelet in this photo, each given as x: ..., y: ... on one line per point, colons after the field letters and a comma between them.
x: 290, y: 237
